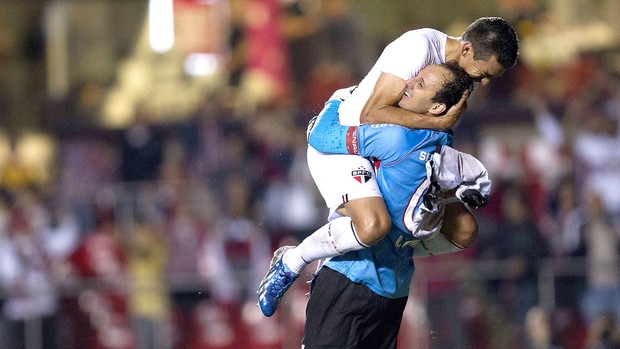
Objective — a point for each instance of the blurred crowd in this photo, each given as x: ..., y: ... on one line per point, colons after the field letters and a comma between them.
x: 156, y: 236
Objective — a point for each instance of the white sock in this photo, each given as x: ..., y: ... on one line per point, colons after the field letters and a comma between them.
x: 438, y: 244
x: 333, y: 239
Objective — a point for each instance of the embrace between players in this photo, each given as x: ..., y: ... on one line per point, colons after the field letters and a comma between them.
x: 394, y: 192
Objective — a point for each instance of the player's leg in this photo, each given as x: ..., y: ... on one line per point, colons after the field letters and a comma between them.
x: 346, y: 182
x: 327, y: 324
x: 459, y: 230
x: 459, y: 225
x: 344, y: 314
x: 358, y: 216
x: 366, y: 222
x: 370, y: 218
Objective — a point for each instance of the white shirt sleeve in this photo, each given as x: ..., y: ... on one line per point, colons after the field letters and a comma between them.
x: 451, y: 169
x: 404, y: 58
x: 413, y: 51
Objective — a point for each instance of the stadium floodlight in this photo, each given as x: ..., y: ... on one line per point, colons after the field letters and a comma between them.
x: 161, y: 25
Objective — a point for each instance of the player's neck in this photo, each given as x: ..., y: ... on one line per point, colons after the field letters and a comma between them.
x: 453, y: 49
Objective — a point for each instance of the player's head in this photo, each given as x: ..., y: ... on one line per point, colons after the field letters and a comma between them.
x: 490, y: 46
x: 436, y: 88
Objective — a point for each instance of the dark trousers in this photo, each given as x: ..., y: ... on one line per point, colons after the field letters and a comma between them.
x: 345, y: 315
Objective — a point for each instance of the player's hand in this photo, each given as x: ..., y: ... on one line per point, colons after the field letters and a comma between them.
x: 453, y: 114
x: 343, y: 93
x: 473, y: 198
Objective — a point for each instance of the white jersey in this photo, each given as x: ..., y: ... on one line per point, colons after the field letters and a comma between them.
x: 404, y: 58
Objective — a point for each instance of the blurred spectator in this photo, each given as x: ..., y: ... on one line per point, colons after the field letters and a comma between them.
x: 488, y: 327
x: 539, y: 329
x: 266, y: 80
x: 595, y: 143
x: 545, y: 161
x: 245, y: 246
x: 85, y: 165
x: 148, y: 294
x: 443, y: 298
x: 184, y: 234
x: 604, y: 333
x: 519, y: 242
x: 290, y: 202
x: 341, y: 40
x: 241, y: 155
x: 15, y: 175
x: 338, y: 57
x: 602, y: 243
x: 26, y: 275
x: 567, y: 220
x: 100, y: 316
x: 566, y: 229
x: 62, y: 234
x: 142, y: 150
x: 300, y: 23
x: 235, y: 255
x: 203, y: 136
x: 238, y: 44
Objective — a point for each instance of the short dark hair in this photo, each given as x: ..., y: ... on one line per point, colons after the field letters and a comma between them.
x: 453, y: 86
x: 493, y: 36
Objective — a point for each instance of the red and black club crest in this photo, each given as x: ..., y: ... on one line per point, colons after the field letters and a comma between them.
x: 361, y: 175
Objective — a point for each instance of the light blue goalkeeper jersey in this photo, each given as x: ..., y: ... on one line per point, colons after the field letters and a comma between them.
x: 400, y: 156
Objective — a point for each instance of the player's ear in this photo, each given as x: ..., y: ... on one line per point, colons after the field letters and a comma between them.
x: 467, y: 48
x: 437, y: 108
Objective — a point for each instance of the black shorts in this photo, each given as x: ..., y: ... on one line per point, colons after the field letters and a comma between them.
x: 344, y: 315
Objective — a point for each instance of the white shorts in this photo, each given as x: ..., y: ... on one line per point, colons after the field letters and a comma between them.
x: 342, y: 178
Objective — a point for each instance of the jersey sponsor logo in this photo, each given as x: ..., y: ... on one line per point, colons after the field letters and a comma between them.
x: 379, y: 125
x: 351, y: 141
x: 409, y: 243
x: 361, y: 175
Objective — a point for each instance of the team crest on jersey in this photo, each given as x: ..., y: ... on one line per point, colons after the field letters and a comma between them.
x: 361, y: 175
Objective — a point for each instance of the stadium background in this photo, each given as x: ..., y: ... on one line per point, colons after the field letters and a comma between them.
x: 150, y: 164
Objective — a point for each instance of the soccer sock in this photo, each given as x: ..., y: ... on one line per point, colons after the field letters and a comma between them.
x: 332, y: 239
x: 438, y: 244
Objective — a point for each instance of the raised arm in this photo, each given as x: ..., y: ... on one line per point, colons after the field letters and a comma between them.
x: 326, y: 135
x: 381, y: 107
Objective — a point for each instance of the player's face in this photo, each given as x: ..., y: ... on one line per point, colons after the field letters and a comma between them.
x: 482, y: 71
x: 420, y: 89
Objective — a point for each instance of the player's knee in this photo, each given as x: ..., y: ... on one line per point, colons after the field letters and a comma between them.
x: 460, y: 225
x: 372, y: 228
x: 467, y: 234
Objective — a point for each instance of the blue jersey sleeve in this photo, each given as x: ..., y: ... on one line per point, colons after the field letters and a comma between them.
x: 327, y: 135
x: 384, y: 142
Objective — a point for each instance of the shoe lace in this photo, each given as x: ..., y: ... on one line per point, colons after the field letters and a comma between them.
x: 281, y: 283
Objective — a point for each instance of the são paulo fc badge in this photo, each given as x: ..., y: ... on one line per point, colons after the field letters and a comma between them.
x: 361, y: 175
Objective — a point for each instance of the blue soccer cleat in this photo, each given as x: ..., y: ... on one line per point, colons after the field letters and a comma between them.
x: 279, y: 278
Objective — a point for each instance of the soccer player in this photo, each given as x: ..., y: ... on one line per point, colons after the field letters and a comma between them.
x: 485, y: 50
x: 434, y: 89
x: 358, y: 298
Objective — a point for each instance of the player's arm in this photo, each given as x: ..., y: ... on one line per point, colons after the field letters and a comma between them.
x: 451, y: 228
x: 459, y: 225
x: 381, y: 107
x: 328, y: 136
x: 325, y: 133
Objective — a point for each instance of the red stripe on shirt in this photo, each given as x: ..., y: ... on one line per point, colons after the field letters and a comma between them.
x: 352, y: 142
